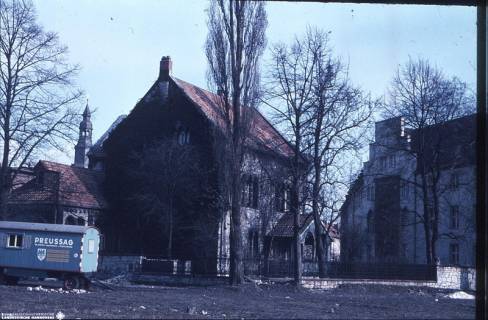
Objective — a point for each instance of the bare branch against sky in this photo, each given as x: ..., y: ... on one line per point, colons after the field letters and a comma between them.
x: 371, y: 39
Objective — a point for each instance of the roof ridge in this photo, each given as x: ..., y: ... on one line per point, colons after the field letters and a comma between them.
x: 255, y: 110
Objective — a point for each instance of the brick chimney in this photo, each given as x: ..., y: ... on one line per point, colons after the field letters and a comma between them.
x: 165, y: 68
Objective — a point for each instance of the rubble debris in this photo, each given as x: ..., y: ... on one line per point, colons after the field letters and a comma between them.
x: 191, y: 310
x: 58, y: 290
x: 460, y: 295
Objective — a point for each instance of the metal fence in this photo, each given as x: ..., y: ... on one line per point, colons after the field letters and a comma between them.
x: 284, y: 269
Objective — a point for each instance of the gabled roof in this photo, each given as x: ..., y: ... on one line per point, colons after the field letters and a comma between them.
x: 78, y: 187
x: 284, y: 226
x: 264, y: 136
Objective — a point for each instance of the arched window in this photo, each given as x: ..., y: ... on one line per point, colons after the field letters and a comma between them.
x: 253, y: 243
x: 70, y: 220
x: 308, y: 252
x: 183, y: 136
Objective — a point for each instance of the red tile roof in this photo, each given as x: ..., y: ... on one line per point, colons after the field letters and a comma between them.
x: 263, y: 134
x: 23, y: 176
x: 79, y: 187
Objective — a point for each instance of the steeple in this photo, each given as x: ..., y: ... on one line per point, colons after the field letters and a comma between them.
x: 84, y: 139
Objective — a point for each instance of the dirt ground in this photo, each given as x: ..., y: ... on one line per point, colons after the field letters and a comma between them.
x: 249, y: 301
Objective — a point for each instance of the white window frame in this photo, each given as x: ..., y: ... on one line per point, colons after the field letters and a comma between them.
x: 16, y: 241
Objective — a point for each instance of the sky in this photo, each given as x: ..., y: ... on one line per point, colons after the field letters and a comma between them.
x: 118, y: 43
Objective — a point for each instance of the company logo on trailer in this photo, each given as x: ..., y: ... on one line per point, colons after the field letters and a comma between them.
x: 41, y: 254
x: 53, y: 242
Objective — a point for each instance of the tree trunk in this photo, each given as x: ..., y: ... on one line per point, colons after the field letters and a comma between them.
x: 427, y: 220
x: 297, y: 256
x: 5, y: 174
x: 435, y: 222
x: 318, y: 226
x: 169, y: 249
x: 320, y: 246
x: 236, y: 268
x: 4, y: 195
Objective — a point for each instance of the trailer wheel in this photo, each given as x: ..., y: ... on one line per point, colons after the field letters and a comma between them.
x: 71, y: 283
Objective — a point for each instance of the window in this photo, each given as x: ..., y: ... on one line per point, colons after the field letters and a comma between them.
x: 14, y: 241
x: 392, y: 161
x: 404, y: 189
x: 382, y: 162
x: 253, y: 243
x: 454, y: 253
x: 370, y: 192
x: 308, y: 250
x: 91, y: 246
x: 454, y: 221
x: 282, y: 197
x: 454, y: 182
x: 183, y: 137
x: 250, y: 192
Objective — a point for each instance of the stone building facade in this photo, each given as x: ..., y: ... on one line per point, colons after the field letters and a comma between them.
x: 381, y: 219
x: 175, y: 109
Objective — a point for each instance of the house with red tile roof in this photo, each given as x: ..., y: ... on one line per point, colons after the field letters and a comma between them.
x: 57, y: 193
x: 175, y: 109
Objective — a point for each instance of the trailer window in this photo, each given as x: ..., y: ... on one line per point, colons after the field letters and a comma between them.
x: 91, y: 246
x: 14, y: 241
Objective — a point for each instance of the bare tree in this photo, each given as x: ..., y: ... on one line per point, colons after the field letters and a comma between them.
x: 235, y: 43
x: 425, y: 97
x: 166, y: 173
x: 289, y: 95
x: 339, y: 115
x: 37, y: 100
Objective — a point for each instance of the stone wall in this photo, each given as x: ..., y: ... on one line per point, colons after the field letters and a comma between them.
x: 456, y: 278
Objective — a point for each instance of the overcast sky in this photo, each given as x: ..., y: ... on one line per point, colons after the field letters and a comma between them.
x: 118, y: 44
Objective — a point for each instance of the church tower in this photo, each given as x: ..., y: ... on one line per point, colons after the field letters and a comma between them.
x: 84, y: 140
